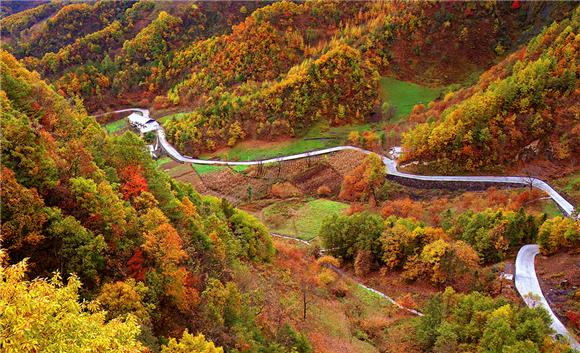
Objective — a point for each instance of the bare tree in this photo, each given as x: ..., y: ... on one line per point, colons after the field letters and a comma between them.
x: 529, y: 177
x: 305, y: 289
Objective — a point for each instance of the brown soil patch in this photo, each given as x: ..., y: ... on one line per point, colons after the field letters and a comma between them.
x: 194, y: 179
x: 559, y: 277
x: 170, y: 165
x: 345, y: 161
x: 543, y: 169
x: 321, y: 174
x: 285, y: 190
x: 307, y: 175
x: 236, y: 185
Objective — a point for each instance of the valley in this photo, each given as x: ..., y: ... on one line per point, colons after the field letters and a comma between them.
x: 289, y: 177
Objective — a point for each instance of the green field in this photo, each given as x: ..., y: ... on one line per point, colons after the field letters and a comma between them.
x: 404, y: 95
x: 166, y: 118
x: 162, y: 161
x: 298, y: 219
x: 245, y: 152
x: 340, y: 133
x: 115, y: 126
x: 552, y: 210
x: 570, y: 185
x: 205, y: 169
x: 334, y: 136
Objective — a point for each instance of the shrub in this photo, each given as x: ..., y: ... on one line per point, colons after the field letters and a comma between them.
x: 363, y: 262
x: 323, y: 190
x: 285, y: 190
x: 557, y: 233
x: 407, y: 301
x: 339, y: 289
x: 326, y: 277
x: 328, y: 260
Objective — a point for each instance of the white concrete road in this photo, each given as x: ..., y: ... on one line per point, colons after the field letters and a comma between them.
x: 390, y: 165
x: 529, y: 288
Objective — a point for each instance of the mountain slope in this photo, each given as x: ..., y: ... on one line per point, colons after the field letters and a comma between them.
x: 78, y: 201
x: 212, y: 47
x: 527, y: 102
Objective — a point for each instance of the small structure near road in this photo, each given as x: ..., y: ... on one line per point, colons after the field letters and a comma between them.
x: 395, y: 152
x: 143, y: 124
x: 508, y: 272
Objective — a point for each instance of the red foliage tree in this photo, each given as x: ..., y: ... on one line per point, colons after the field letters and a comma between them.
x: 133, y: 181
x: 135, y: 266
x: 574, y: 318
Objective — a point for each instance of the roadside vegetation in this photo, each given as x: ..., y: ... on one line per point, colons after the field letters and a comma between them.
x: 206, y: 169
x: 116, y: 126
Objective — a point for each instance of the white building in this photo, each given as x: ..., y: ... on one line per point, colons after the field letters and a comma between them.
x: 396, y: 152
x: 144, y: 124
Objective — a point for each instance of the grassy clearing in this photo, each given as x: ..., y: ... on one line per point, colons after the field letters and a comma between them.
x: 166, y: 118
x: 179, y: 169
x: 332, y: 136
x: 570, y: 185
x: 199, y: 168
x: 370, y: 298
x: 206, y: 169
x: 551, y: 210
x: 245, y: 151
x: 162, y: 161
x: 340, y: 133
x: 298, y: 219
x: 404, y: 95
x: 255, y: 150
x: 116, y: 126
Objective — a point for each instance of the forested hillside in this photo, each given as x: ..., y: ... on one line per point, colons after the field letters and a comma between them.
x: 261, y: 70
x: 150, y: 251
x: 528, y: 102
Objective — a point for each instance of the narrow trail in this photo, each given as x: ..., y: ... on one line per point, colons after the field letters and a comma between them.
x: 344, y: 274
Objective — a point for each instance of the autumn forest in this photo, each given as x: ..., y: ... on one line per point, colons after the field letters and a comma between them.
x: 438, y: 212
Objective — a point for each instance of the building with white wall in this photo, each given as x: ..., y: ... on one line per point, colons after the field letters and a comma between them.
x: 143, y: 124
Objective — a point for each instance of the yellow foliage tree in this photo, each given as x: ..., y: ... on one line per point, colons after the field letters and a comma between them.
x: 46, y: 316
x: 191, y: 344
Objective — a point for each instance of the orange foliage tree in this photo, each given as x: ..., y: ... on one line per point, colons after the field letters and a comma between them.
x: 364, y: 181
x: 134, y: 183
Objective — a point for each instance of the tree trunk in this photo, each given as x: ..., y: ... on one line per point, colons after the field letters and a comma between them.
x: 304, y: 305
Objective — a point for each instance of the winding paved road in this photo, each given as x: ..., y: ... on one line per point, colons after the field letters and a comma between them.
x: 529, y: 288
x: 391, y: 167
